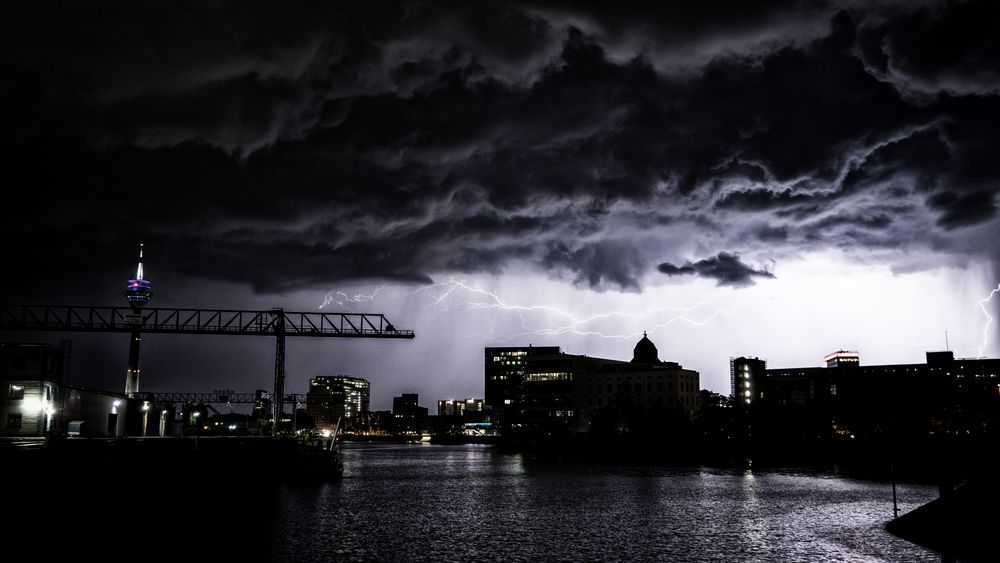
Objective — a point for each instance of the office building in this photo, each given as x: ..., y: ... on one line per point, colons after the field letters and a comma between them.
x: 336, y: 398
x: 504, y: 379
x: 452, y: 407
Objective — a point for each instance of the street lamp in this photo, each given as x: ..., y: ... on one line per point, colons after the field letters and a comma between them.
x: 145, y: 416
x: 197, y: 427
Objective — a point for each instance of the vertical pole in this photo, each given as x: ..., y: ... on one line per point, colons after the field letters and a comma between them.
x: 132, y: 377
x: 895, y: 507
x: 279, y: 368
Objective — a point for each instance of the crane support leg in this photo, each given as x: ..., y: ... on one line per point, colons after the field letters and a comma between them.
x: 278, y: 400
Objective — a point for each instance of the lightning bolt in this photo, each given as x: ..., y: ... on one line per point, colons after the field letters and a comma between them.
x: 989, y: 319
x: 457, y: 293
x: 572, y: 324
x: 341, y: 298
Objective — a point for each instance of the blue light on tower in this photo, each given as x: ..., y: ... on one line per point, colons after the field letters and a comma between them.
x: 138, y: 291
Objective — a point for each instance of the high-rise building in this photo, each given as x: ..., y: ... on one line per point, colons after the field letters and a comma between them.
x: 504, y: 373
x: 334, y: 398
x: 743, y: 372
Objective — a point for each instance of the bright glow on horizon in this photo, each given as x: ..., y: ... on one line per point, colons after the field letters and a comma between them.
x: 818, y: 303
x: 561, y: 319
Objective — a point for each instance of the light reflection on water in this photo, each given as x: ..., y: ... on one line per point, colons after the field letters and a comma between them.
x: 462, y: 503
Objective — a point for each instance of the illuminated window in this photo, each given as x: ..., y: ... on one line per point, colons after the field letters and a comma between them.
x: 13, y: 420
x: 16, y: 394
x: 506, y: 401
x: 550, y: 376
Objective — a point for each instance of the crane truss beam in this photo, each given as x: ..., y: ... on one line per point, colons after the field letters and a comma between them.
x: 198, y: 321
x: 218, y: 398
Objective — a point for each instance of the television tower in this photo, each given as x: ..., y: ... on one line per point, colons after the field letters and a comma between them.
x: 138, y: 292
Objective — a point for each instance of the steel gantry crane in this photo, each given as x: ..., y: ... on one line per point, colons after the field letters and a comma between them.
x: 273, y: 322
x: 137, y: 319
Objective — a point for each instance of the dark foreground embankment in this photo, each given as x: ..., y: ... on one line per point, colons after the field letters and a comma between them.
x: 962, y: 524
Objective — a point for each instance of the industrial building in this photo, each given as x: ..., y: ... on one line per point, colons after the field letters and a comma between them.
x: 32, y: 375
x: 37, y: 402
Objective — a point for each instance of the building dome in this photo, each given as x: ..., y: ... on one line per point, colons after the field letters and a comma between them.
x: 645, y: 352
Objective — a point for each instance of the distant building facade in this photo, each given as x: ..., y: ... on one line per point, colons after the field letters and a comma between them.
x: 468, y: 417
x: 504, y: 379
x: 847, y: 399
x: 562, y: 393
x: 452, y: 407
x: 408, y: 405
x: 558, y: 391
x: 644, y: 384
x: 333, y: 398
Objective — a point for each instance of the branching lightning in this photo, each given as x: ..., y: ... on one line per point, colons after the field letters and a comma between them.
x: 342, y: 299
x: 989, y: 319
x: 572, y: 324
x: 542, y: 320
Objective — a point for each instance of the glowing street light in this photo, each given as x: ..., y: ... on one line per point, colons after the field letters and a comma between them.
x: 145, y: 416
x: 197, y: 428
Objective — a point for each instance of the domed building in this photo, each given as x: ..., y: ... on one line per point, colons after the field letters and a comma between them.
x: 654, y: 383
x: 645, y: 352
x: 646, y: 383
x: 557, y: 392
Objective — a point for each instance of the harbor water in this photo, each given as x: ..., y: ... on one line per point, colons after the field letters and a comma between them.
x: 423, y: 502
x: 473, y: 503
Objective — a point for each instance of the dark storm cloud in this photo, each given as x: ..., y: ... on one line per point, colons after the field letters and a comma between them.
x: 959, y: 210
x: 761, y: 199
x: 936, y: 48
x: 617, y: 263
x: 407, y: 140
x: 725, y: 269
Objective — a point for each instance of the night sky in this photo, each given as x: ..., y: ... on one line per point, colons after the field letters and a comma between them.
x: 779, y: 181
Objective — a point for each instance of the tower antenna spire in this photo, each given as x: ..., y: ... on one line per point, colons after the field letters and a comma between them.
x: 138, y: 271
